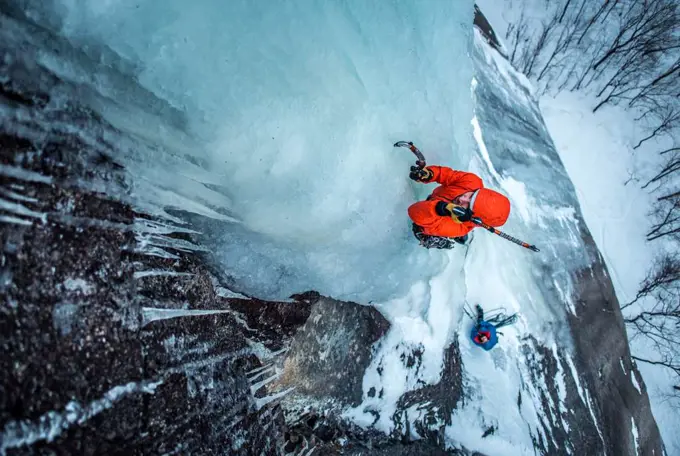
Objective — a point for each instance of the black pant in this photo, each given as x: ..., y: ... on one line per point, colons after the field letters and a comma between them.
x: 480, y: 315
x: 436, y: 242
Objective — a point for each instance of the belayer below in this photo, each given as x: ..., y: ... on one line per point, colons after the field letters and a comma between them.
x: 435, y: 224
x: 483, y: 333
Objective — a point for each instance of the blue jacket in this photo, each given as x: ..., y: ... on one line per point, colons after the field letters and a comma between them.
x: 485, y: 327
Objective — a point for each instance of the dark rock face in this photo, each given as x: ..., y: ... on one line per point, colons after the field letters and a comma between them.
x: 566, y: 426
x: 79, y: 371
x: 332, y: 350
x: 486, y: 29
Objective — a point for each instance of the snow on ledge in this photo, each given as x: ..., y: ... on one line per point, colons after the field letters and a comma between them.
x: 633, y: 380
x: 634, y: 430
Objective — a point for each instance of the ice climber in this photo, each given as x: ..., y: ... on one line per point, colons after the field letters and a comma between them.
x: 434, y: 223
x: 483, y: 333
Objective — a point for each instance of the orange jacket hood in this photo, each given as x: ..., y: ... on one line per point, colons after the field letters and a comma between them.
x: 490, y: 206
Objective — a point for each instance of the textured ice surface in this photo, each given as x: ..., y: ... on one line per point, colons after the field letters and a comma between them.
x: 292, y: 108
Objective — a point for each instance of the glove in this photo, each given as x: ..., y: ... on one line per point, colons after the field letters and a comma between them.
x: 457, y: 213
x: 423, y: 175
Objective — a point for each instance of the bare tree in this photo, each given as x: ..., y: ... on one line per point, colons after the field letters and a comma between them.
x: 668, y: 121
x: 658, y: 322
x: 646, y: 25
x: 528, y: 45
x: 623, y: 83
x: 665, y: 273
x: 667, y: 215
x: 564, y: 40
x: 671, y: 166
x: 618, y: 45
x: 667, y: 82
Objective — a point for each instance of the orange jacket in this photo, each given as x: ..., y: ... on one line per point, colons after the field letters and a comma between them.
x: 492, y: 207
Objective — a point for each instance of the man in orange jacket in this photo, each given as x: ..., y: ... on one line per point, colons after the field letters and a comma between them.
x: 434, y: 223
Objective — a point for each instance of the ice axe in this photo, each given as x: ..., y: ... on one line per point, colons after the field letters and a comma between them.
x: 420, y: 162
x: 477, y: 221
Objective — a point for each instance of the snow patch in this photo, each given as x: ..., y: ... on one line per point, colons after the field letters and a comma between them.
x: 561, y: 390
x: 574, y: 375
x: 477, y: 133
x: 80, y: 285
x: 594, y: 417
x: 634, y: 430
x: 410, y: 355
x: 585, y: 396
x: 633, y: 380
x: 63, y: 317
